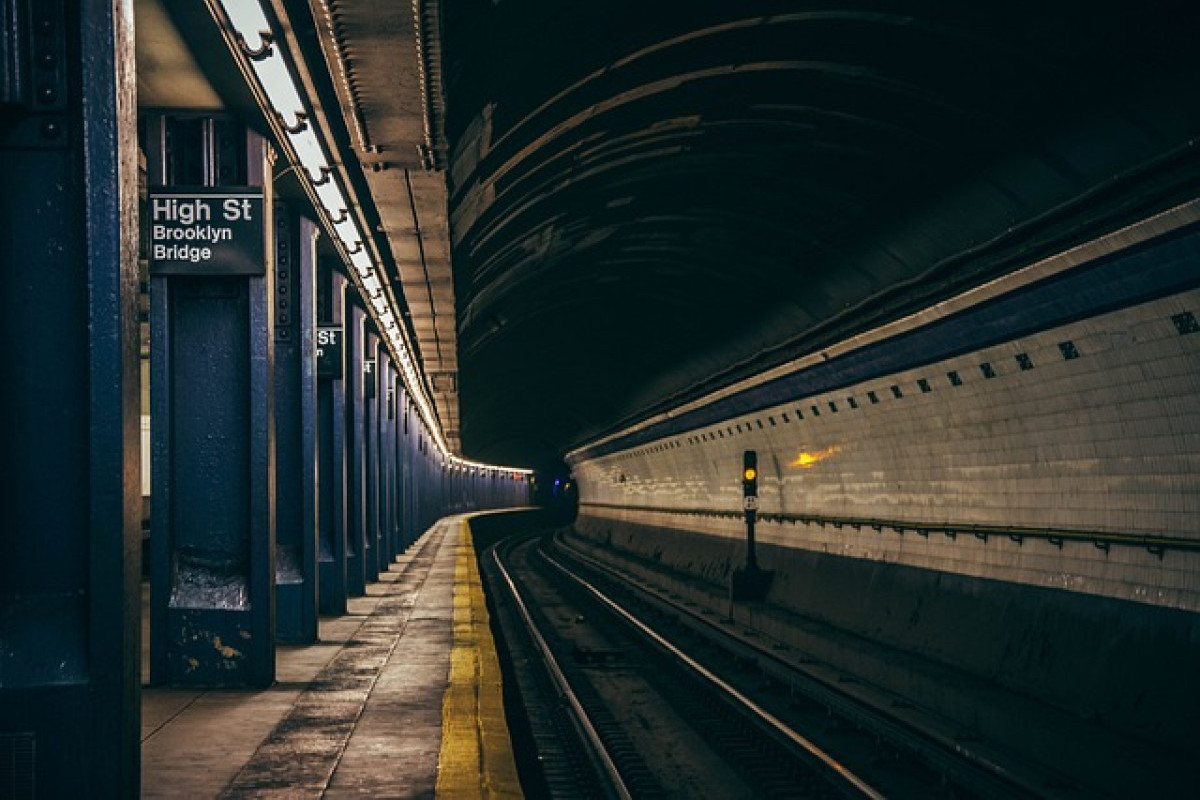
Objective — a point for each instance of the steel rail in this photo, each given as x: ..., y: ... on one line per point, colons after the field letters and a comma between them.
x: 850, y: 780
x: 946, y: 754
x: 597, y: 750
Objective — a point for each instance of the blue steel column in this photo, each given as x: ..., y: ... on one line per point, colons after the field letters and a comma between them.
x: 387, y: 451
x: 70, y: 540
x: 212, y: 436
x: 398, y: 544
x: 410, y: 471
x: 422, y: 481
x: 371, y: 557
x: 331, y: 480
x: 356, y: 569
x: 407, y: 525
x: 417, y: 453
x: 295, y: 428
x: 433, y: 480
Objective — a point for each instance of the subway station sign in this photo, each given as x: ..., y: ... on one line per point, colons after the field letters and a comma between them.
x: 329, y: 351
x: 206, y: 230
x: 368, y: 367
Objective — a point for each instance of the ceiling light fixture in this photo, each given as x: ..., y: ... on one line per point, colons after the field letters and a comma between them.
x: 250, y: 33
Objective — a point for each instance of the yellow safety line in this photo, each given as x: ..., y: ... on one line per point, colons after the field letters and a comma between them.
x: 476, y: 759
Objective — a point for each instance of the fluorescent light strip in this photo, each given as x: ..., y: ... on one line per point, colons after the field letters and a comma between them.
x: 271, y: 71
x: 249, y: 22
x: 311, y: 156
x: 347, y: 231
x: 276, y: 81
x: 361, y: 262
x: 329, y: 194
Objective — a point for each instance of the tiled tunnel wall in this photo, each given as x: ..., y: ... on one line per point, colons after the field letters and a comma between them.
x: 1092, y: 426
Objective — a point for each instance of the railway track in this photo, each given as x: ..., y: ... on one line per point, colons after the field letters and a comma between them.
x: 659, y: 700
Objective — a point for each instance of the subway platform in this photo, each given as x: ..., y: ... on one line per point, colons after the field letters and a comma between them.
x: 401, y: 697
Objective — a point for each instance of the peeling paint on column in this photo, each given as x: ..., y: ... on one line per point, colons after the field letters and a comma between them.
x: 225, y: 649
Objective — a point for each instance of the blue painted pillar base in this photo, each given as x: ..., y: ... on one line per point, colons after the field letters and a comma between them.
x: 213, y: 648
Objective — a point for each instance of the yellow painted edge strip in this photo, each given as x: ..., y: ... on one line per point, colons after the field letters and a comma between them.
x: 476, y: 759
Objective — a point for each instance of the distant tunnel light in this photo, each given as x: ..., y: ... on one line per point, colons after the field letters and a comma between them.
x: 806, y: 459
x: 272, y: 73
x: 248, y: 20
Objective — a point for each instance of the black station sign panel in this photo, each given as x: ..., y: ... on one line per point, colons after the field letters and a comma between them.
x: 329, y: 351
x: 369, y: 381
x: 206, y: 230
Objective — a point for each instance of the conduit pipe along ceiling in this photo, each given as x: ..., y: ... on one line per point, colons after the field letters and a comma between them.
x: 265, y: 64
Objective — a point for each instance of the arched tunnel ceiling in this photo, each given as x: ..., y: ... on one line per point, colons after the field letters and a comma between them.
x: 648, y: 201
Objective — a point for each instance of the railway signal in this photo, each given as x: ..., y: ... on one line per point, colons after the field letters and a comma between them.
x: 750, y: 480
x: 750, y: 583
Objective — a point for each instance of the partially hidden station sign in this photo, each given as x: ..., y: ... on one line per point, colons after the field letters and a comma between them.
x: 206, y: 230
x: 368, y: 368
x: 329, y: 351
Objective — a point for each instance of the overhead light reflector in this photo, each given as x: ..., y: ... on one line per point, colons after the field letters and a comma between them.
x: 281, y: 92
x: 248, y: 20
x: 309, y: 151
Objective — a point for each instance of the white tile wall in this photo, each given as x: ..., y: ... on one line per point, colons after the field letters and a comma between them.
x: 1106, y: 442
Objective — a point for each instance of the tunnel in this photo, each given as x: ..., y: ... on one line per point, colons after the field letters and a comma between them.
x: 878, y: 318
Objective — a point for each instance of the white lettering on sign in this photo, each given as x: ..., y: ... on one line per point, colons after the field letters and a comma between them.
x: 172, y: 209
x: 206, y: 230
x: 207, y: 233
x: 237, y: 209
x: 329, y: 352
x: 181, y: 252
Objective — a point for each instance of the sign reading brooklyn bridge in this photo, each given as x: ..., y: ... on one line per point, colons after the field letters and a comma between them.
x: 206, y: 231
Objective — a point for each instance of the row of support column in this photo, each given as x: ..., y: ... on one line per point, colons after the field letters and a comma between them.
x: 289, y: 467
x: 265, y: 465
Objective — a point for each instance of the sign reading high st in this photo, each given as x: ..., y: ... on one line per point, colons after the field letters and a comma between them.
x: 206, y: 231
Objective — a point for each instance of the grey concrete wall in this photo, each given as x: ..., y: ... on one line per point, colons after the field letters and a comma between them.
x: 1130, y: 665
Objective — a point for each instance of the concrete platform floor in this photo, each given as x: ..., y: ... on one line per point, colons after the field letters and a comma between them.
x: 357, y: 715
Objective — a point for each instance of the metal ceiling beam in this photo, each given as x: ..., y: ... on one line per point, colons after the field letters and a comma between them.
x: 383, y: 57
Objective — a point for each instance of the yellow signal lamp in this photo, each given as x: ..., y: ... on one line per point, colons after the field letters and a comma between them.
x: 750, y: 473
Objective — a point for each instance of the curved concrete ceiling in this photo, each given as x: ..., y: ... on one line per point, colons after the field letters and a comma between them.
x: 651, y: 200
